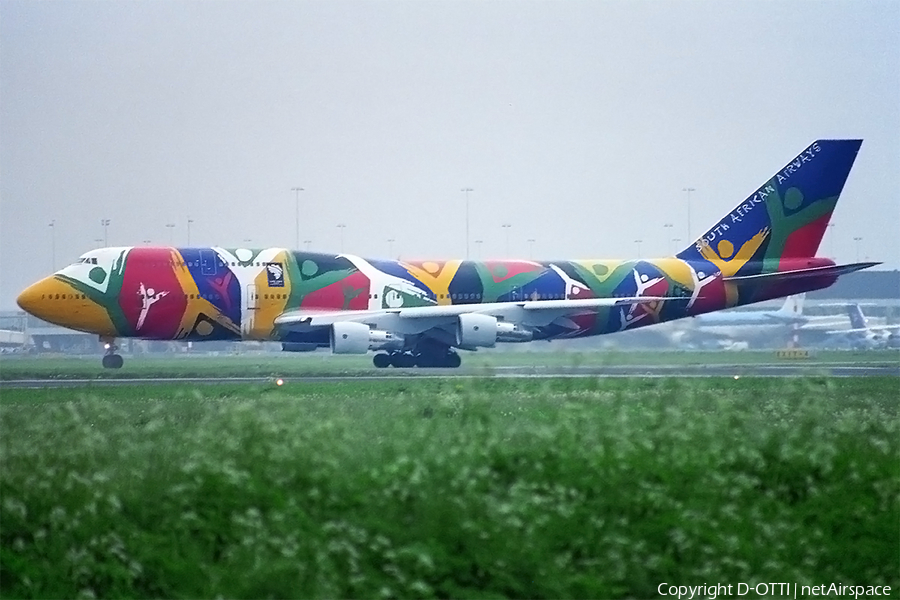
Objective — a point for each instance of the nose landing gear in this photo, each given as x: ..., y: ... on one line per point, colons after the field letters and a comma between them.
x: 111, y: 360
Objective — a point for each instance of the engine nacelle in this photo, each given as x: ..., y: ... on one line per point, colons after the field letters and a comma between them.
x: 476, y: 331
x: 349, y: 338
x: 384, y: 340
x: 357, y: 338
x: 511, y: 332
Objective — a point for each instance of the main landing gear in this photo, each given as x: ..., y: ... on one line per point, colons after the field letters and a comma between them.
x: 406, y: 360
x: 111, y: 360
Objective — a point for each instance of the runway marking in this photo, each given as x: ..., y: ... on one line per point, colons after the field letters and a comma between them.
x: 508, y: 372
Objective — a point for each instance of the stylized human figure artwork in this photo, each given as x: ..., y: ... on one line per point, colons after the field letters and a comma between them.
x: 725, y: 258
x: 149, y: 297
x: 701, y: 280
x: 645, y: 285
x: 436, y: 276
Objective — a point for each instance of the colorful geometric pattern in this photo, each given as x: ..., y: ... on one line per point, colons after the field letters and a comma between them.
x: 236, y: 293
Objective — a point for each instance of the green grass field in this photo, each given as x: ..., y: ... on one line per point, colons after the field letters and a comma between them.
x: 474, y: 488
x: 288, y: 364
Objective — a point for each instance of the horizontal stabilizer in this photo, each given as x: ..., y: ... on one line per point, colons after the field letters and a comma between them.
x: 781, y: 276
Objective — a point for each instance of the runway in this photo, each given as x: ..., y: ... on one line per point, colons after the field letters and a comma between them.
x: 529, y: 372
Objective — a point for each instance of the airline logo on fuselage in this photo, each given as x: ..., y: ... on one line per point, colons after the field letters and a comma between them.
x: 275, y: 273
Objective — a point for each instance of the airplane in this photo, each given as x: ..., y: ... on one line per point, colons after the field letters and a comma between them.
x: 743, y: 327
x: 791, y: 313
x: 420, y: 313
x: 864, y: 336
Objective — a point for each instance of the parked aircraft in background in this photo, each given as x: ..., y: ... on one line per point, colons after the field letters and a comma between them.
x: 745, y: 328
x: 418, y: 313
x: 791, y: 313
x: 862, y: 335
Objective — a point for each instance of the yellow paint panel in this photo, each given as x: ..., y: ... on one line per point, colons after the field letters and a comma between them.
x: 72, y: 311
x: 262, y: 326
x: 436, y: 276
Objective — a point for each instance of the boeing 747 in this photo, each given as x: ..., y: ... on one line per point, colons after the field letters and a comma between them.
x: 419, y: 313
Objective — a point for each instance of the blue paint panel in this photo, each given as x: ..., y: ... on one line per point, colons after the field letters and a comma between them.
x: 396, y: 269
x: 222, y: 289
x: 547, y: 285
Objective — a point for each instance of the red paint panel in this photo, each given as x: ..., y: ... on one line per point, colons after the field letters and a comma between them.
x: 151, y: 297
x: 512, y: 267
x: 805, y: 241
x: 712, y: 297
x: 350, y: 293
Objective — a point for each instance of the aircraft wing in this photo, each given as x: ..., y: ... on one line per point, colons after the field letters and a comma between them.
x: 529, y: 313
x: 875, y: 329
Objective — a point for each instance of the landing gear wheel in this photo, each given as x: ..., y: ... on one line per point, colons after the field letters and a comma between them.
x: 381, y: 361
x: 401, y: 360
x: 453, y: 360
x: 113, y: 361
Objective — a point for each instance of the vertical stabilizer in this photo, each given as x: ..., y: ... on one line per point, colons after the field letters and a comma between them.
x: 783, y: 220
x: 793, y: 306
x: 857, y: 318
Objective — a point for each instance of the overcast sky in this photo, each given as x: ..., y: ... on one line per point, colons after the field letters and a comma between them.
x: 577, y: 123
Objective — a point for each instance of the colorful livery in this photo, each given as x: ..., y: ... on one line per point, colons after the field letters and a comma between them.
x: 417, y: 313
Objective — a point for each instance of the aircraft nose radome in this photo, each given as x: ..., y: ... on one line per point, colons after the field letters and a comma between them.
x: 30, y: 299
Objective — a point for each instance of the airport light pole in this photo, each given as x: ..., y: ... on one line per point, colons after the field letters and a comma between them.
x: 857, y: 240
x: 53, y: 244
x: 531, y: 248
x: 189, y: 221
x: 105, y: 223
x: 689, y: 190
x: 341, y: 227
x: 307, y: 242
x: 147, y: 242
x: 98, y: 241
x: 478, y: 244
x: 390, y: 242
x: 639, y: 242
x: 171, y: 228
x: 507, y: 227
x: 466, y: 191
x: 667, y: 233
x: 297, y: 191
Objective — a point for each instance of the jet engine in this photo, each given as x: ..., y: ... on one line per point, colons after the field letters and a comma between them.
x: 357, y: 338
x: 473, y: 331
x: 511, y: 332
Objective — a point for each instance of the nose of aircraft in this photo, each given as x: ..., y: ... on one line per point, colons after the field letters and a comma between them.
x: 33, y: 299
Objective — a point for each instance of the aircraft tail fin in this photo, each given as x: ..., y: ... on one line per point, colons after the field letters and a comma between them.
x: 785, y: 219
x: 857, y: 318
x: 793, y: 306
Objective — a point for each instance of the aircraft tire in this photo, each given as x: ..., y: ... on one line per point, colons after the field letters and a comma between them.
x: 453, y: 360
x: 381, y: 360
x: 404, y: 360
x: 113, y: 361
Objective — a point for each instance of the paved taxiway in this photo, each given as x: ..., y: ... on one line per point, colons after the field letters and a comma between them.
x: 763, y: 370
